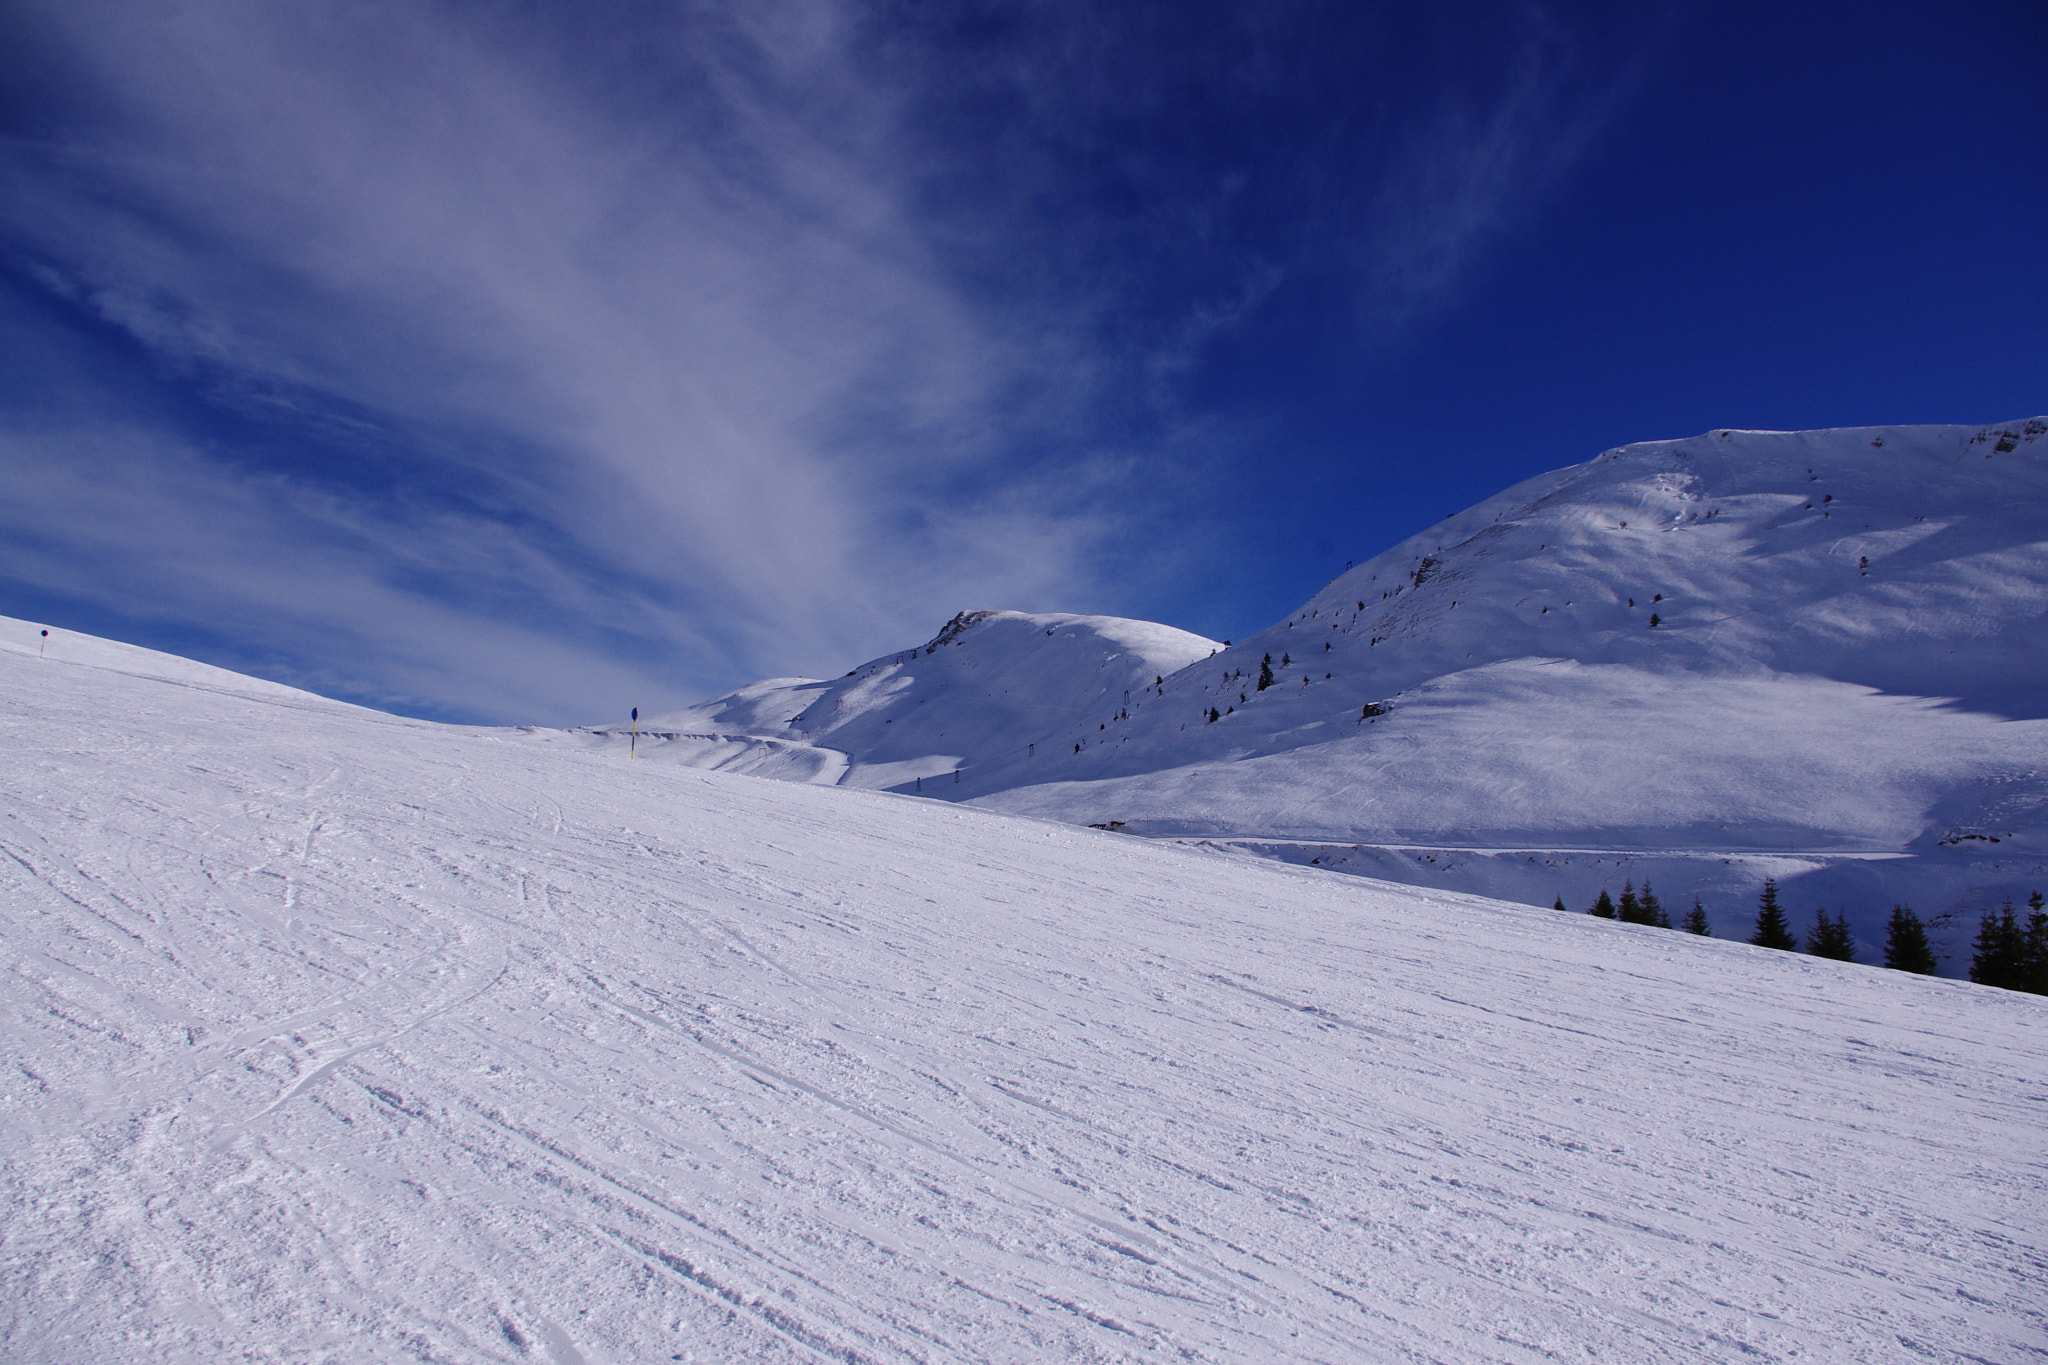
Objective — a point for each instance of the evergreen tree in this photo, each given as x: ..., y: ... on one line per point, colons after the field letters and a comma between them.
x: 2034, y: 948
x: 1905, y: 943
x: 1653, y: 909
x: 1771, y: 929
x: 1630, y: 911
x: 1559, y: 905
x: 1696, y: 920
x: 1995, y: 956
x: 1265, y: 673
x: 1830, y: 937
x: 1604, y: 907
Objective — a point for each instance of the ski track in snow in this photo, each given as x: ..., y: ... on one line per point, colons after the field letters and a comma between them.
x: 333, y: 1036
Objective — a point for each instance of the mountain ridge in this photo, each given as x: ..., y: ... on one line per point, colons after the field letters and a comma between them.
x: 1737, y: 645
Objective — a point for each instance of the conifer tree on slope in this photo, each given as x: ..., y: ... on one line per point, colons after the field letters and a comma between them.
x: 1604, y: 907
x: 2034, y: 948
x: 1905, y: 943
x: 1995, y: 956
x: 1771, y: 929
x: 1830, y: 937
x: 1696, y: 920
x: 1630, y: 910
x: 1653, y: 909
x: 2011, y: 953
x: 1265, y: 673
x: 1559, y: 905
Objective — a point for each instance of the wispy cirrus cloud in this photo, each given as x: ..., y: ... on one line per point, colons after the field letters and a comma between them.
x: 1484, y: 151
x: 647, y: 329
x: 689, y: 342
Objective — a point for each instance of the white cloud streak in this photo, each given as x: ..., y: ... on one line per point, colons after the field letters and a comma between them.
x: 645, y: 340
x: 165, y: 534
x: 655, y: 334
x: 1480, y: 161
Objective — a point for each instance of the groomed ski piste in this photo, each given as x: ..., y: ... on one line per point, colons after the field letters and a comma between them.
x: 333, y: 1036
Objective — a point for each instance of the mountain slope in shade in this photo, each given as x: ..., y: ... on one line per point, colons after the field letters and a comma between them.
x: 331, y: 1035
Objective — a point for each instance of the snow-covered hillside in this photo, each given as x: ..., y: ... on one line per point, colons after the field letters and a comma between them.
x: 1815, y: 655
x: 994, y: 694
x: 1820, y: 656
x: 335, y: 1036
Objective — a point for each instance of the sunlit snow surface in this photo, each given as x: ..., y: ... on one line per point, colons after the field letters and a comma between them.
x: 332, y: 1036
x: 1820, y: 656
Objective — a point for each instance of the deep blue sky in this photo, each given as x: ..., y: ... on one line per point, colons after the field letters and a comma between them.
x: 522, y: 362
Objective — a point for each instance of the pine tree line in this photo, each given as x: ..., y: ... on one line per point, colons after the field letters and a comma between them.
x: 2011, y: 951
x: 1642, y: 908
x: 1905, y: 944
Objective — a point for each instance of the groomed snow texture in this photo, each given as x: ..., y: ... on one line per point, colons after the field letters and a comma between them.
x: 336, y: 1037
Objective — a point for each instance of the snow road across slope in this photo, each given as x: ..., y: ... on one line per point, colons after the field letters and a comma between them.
x: 334, y: 1036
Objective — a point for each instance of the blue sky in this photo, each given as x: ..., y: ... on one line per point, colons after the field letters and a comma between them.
x: 525, y: 362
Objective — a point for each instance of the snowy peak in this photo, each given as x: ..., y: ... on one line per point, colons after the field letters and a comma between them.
x: 1730, y: 656
x: 1908, y: 560
x: 1899, y: 558
x: 991, y: 692
x: 1721, y: 658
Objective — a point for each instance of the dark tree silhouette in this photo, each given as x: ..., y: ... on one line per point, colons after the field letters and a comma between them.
x: 1696, y: 920
x: 2034, y: 948
x: 1771, y: 929
x: 1830, y: 937
x: 1905, y: 943
x: 1995, y: 958
x: 1653, y: 909
x: 1630, y: 910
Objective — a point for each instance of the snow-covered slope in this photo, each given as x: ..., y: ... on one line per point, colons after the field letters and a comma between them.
x: 1819, y: 655
x: 993, y: 694
x: 334, y: 1036
x: 1912, y: 561
x: 111, y: 656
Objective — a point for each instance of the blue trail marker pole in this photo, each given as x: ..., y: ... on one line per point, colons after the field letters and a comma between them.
x: 633, y: 746
x: 44, y: 645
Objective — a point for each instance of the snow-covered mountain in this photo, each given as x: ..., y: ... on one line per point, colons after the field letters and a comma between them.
x: 1815, y: 655
x: 1820, y: 656
x: 993, y: 697
x: 335, y: 1036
